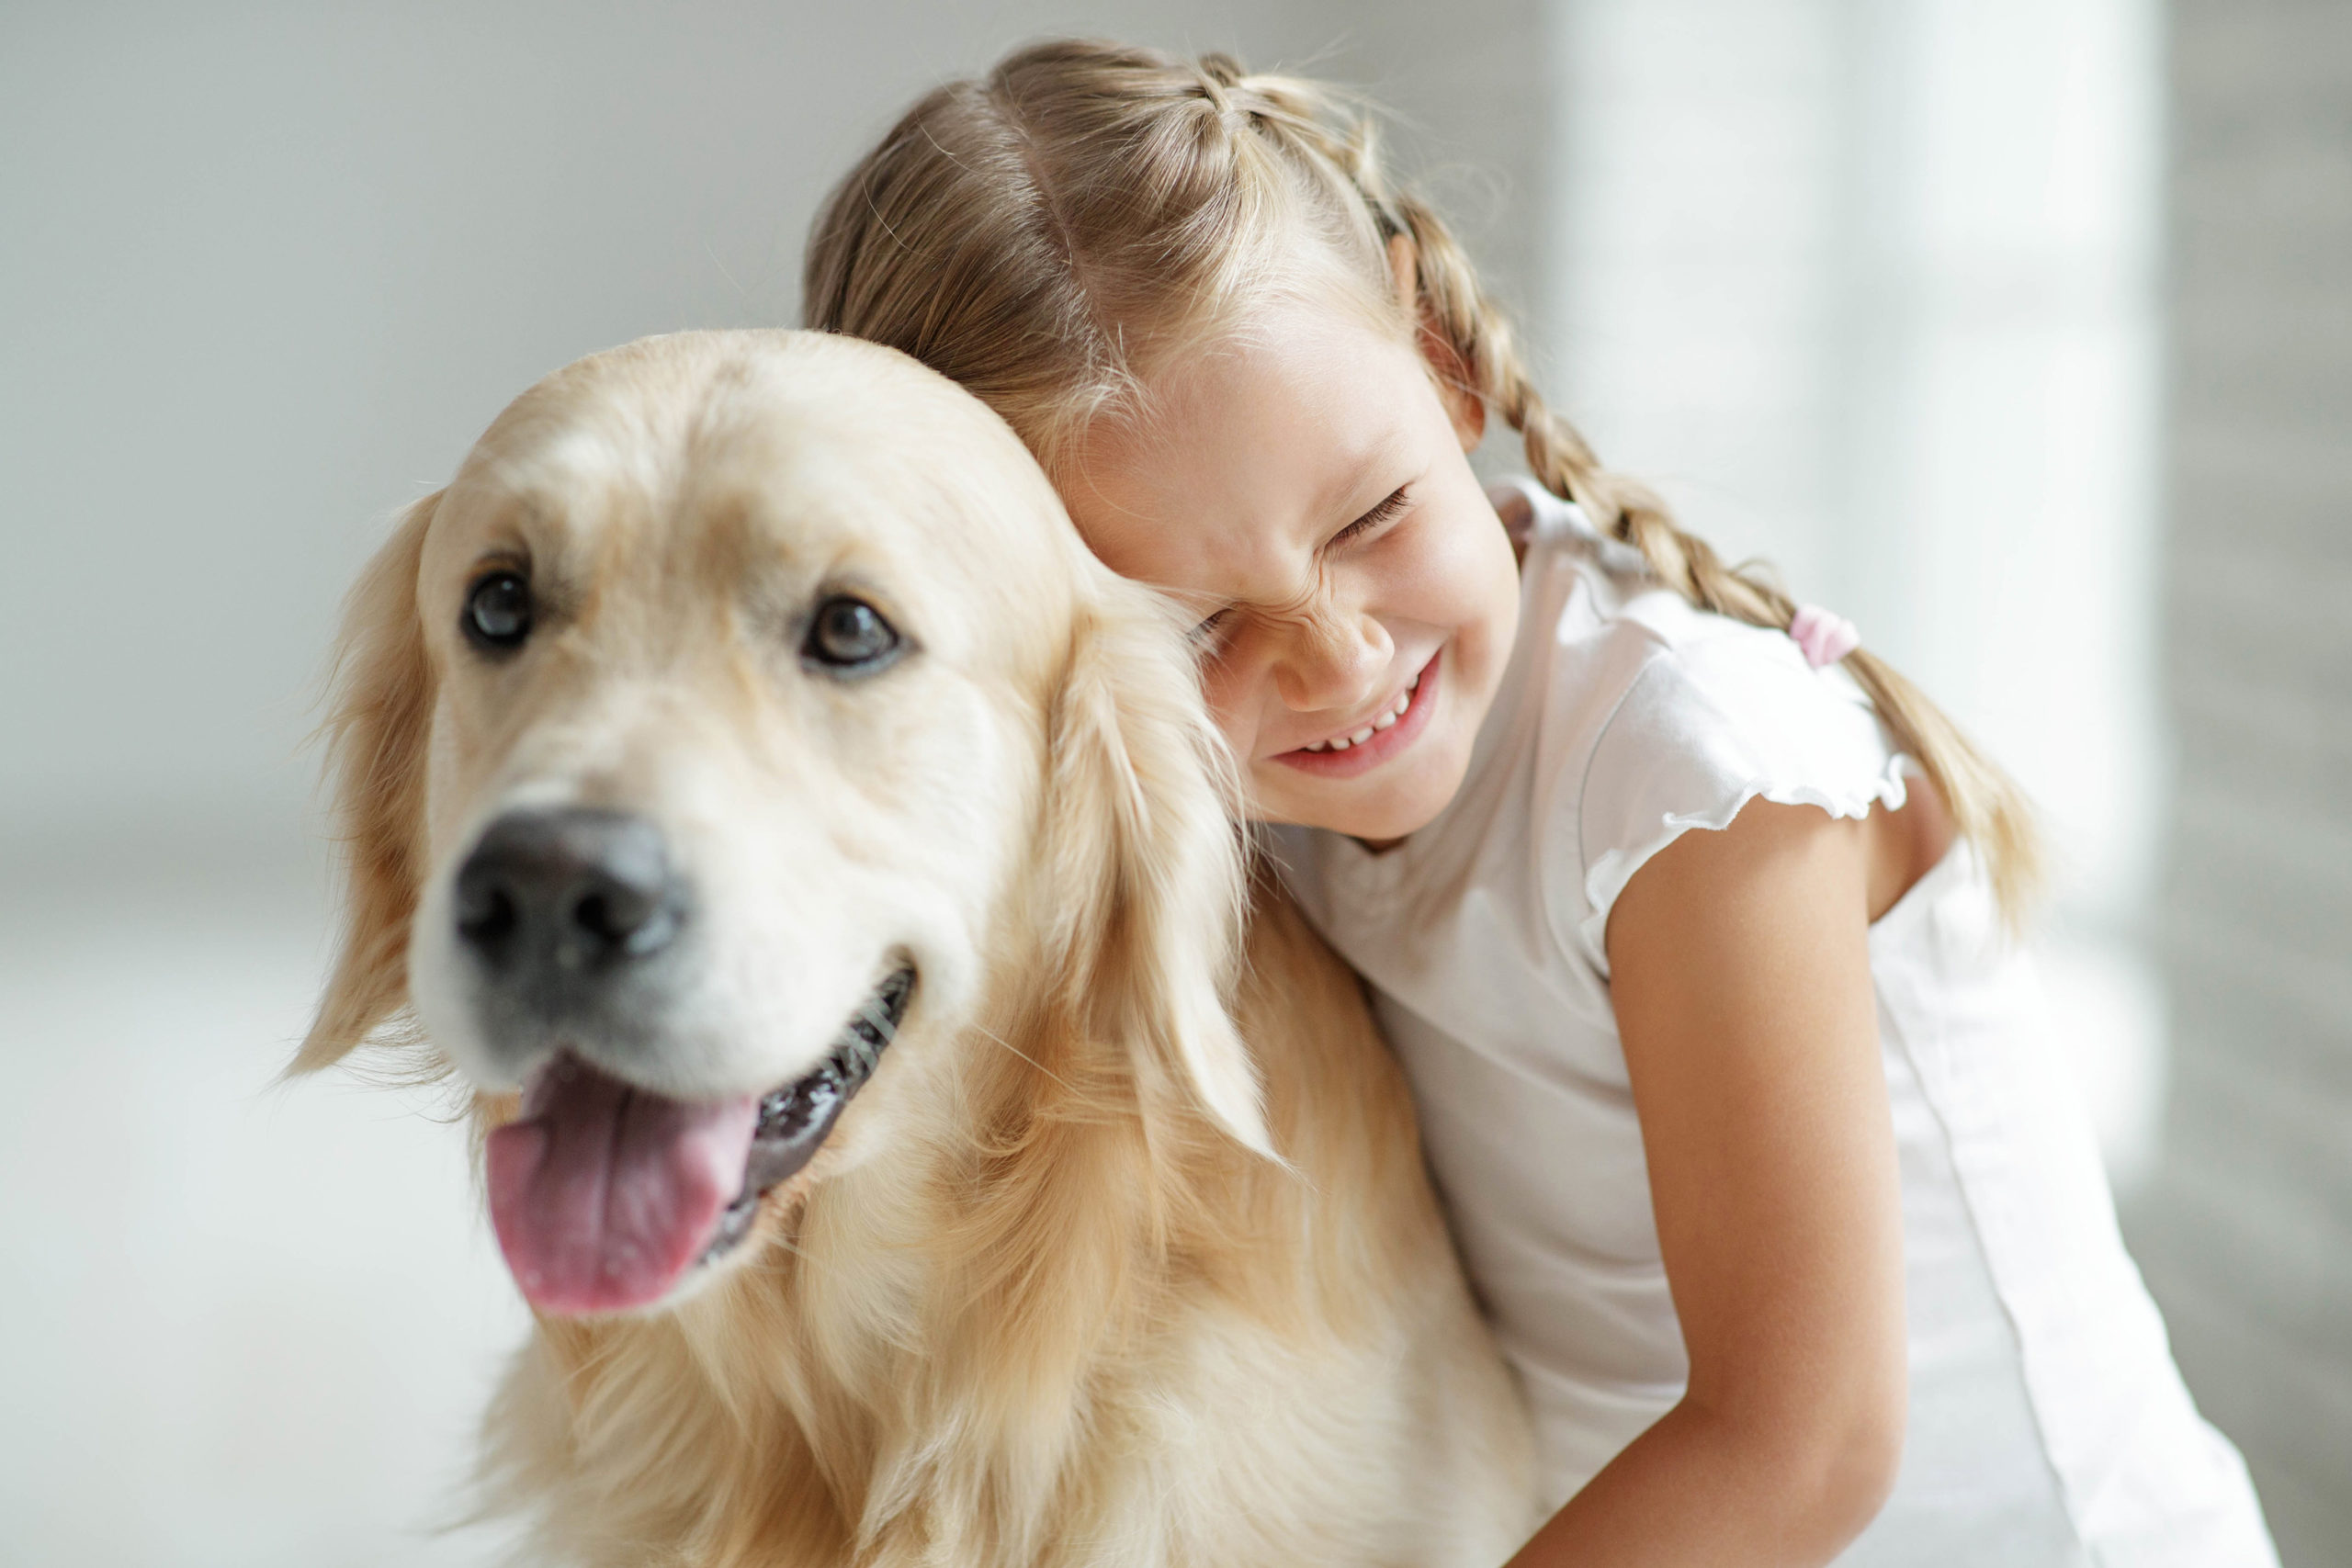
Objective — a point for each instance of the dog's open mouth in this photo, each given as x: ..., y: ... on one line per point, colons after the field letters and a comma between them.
x: 604, y: 1194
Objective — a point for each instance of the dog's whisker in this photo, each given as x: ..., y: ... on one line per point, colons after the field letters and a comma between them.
x: 790, y: 1246
x: 868, y: 1056
x: 992, y: 1036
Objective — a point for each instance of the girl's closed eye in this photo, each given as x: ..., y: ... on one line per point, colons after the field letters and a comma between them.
x: 1393, y: 503
x: 1207, y: 634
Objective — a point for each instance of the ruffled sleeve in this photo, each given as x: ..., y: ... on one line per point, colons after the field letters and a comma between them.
x: 1709, y: 724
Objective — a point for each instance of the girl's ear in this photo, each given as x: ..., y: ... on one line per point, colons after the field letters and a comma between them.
x: 381, y: 705
x: 1146, y: 855
x: 1455, y: 386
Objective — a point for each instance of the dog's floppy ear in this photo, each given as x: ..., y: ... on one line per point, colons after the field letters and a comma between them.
x: 381, y: 708
x: 1147, y: 859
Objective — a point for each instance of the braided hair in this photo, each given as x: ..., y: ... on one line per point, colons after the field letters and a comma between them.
x: 1050, y: 232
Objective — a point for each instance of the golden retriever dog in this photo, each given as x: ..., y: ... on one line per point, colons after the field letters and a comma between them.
x: 821, y: 874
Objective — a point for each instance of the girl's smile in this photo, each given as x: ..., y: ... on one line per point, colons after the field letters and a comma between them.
x: 1398, y: 725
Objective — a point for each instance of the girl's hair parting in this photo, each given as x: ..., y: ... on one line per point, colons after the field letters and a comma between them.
x: 1049, y: 232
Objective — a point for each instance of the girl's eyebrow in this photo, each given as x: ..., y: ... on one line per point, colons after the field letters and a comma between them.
x: 1348, y: 469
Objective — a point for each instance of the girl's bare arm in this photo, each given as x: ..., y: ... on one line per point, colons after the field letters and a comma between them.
x: 1740, y: 971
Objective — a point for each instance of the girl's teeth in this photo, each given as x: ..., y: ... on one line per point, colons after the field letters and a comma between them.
x: 1404, y: 701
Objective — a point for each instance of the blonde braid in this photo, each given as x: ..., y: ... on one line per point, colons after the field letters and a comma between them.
x: 1986, y: 806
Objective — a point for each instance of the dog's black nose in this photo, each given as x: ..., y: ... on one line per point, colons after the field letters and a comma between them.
x: 567, y: 891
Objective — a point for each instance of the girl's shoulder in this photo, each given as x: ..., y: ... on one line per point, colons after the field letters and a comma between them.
x: 1650, y: 717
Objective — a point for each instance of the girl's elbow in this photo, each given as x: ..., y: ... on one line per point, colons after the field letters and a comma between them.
x: 1866, y: 1458
x: 1847, y: 1467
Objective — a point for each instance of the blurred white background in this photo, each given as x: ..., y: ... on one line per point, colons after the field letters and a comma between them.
x: 1870, y: 291
x: 1875, y: 290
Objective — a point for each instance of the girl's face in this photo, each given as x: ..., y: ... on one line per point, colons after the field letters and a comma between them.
x: 1304, y: 487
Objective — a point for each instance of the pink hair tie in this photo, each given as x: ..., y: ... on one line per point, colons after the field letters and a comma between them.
x: 1824, y: 636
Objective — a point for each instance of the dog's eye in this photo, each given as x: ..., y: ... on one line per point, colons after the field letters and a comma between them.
x: 850, y: 635
x: 498, y: 610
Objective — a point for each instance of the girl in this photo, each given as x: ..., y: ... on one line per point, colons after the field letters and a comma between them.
x: 1751, y: 1133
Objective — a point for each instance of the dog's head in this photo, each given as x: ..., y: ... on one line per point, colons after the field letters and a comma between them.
x: 741, y: 713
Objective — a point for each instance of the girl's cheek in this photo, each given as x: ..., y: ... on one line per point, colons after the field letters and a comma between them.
x: 1468, y: 572
x: 1230, y: 690
x: 1429, y: 569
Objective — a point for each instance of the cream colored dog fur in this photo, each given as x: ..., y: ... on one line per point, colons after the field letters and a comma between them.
x: 1124, y: 1255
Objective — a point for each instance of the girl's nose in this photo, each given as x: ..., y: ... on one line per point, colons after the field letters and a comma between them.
x: 1333, y: 662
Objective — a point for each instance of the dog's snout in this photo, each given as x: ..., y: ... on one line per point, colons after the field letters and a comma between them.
x: 567, y: 891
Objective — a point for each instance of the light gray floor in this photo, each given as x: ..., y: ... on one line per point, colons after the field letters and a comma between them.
x: 245, y: 1326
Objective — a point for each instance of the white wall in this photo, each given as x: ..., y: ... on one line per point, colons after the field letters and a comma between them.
x: 267, y: 270
x: 2246, y: 1234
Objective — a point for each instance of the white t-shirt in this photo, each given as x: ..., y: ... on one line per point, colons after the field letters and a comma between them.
x: 2047, y: 1423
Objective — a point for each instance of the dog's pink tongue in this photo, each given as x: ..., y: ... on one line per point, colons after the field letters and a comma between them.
x: 602, y: 1194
